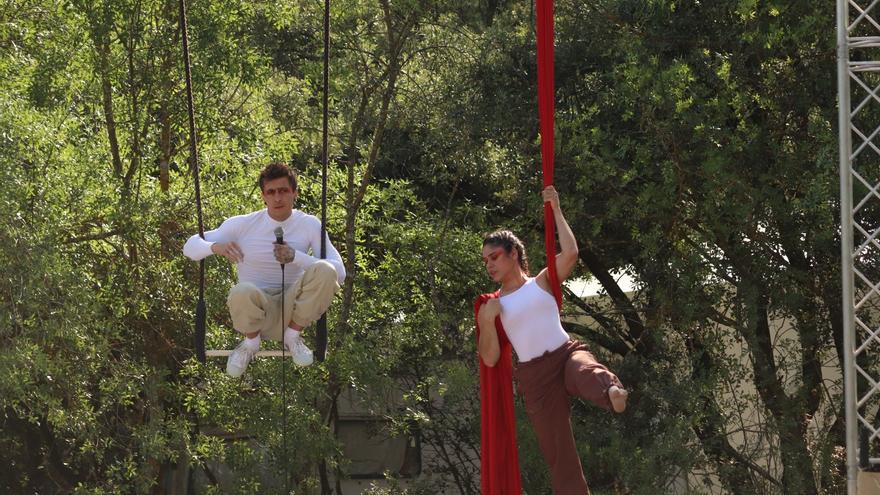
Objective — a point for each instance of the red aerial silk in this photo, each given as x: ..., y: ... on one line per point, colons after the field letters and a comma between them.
x: 545, y: 113
x: 499, y: 461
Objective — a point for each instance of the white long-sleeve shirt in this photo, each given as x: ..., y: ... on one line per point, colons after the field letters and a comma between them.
x: 255, y: 235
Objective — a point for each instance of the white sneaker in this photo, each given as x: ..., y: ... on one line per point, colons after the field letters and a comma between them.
x: 239, y: 359
x: 302, y: 355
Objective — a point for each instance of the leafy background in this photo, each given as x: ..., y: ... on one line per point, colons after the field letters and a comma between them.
x: 696, y: 154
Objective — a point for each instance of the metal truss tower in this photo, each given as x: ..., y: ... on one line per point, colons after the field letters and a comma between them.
x: 858, y: 77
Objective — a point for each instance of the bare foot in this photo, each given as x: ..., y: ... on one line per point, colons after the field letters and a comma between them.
x: 618, y: 397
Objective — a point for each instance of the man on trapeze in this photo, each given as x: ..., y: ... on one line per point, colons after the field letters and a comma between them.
x: 249, y: 241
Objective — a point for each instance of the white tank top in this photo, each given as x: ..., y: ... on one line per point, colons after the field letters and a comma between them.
x: 531, y: 319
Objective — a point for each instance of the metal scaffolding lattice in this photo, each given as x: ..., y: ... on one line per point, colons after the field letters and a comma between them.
x: 858, y: 67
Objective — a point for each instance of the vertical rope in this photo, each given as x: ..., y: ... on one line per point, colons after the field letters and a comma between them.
x: 545, y: 112
x: 284, y: 459
x: 321, y: 333
x: 199, y: 335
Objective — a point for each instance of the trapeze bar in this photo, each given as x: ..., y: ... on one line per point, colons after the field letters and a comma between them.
x: 225, y: 353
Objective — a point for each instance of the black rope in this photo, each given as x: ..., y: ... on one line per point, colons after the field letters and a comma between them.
x: 199, y: 335
x: 284, y: 392
x: 321, y: 331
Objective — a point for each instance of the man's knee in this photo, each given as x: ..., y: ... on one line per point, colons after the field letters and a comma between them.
x: 241, y: 291
x: 323, y: 271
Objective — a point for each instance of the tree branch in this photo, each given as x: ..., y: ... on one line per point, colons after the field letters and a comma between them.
x: 618, y: 297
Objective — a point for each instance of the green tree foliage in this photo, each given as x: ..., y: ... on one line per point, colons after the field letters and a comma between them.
x: 696, y: 154
x: 696, y: 150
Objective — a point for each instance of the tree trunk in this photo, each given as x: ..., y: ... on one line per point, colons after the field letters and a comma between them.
x: 734, y: 470
x: 787, y: 414
x: 101, y: 38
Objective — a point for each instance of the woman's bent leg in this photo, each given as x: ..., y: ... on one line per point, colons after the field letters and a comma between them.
x: 588, y: 379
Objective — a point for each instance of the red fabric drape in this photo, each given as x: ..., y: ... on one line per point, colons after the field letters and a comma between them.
x: 499, y: 461
x: 545, y: 113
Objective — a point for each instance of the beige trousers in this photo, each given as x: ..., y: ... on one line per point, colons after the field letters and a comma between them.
x: 259, y: 310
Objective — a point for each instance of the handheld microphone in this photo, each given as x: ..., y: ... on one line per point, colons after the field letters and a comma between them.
x: 279, y: 239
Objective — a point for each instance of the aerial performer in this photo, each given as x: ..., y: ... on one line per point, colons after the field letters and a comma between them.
x: 250, y: 241
x: 523, y: 316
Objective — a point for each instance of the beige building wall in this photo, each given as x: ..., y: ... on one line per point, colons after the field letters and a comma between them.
x: 745, y: 417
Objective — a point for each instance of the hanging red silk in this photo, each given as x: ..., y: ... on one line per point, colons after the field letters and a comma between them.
x: 499, y: 461
x: 545, y: 114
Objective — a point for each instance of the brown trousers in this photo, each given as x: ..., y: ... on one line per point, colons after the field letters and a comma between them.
x: 546, y: 383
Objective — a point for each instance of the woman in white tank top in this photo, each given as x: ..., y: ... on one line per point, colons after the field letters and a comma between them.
x: 551, y: 366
